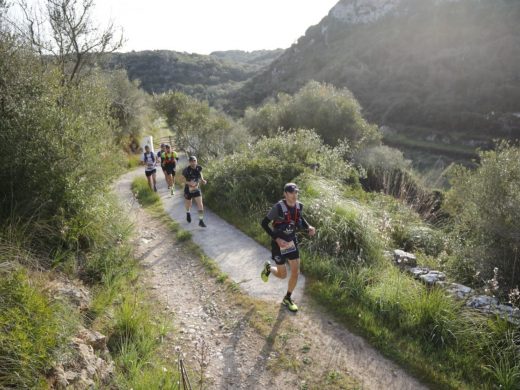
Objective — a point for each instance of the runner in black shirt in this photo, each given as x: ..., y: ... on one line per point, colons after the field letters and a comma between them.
x: 286, y: 217
x: 193, y: 175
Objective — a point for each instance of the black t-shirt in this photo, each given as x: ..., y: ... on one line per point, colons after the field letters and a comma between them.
x: 192, y: 174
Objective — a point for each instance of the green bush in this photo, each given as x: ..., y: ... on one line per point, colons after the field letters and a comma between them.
x: 485, y: 205
x: 255, y: 178
x: 345, y: 228
x: 198, y: 128
x: 59, y: 141
x: 334, y: 113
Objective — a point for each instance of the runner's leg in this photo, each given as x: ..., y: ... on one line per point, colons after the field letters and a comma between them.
x: 295, y: 271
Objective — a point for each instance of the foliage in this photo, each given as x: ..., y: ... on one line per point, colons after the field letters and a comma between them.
x: 385, y: 170
x: 255, y: 177
x: 130, y: 107
x: 334, y: 113
x: 485, y: 205
x: 143, y: 193
x: 57, y: 139
x: 62, y: 33
x: 30, y: 331
x: 346, y: 229
x: 414, y: 76
x: 203, y: 77
x: 198, y: 129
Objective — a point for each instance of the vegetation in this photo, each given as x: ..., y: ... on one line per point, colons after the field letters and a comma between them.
x: 199, y: 129
x: 485, y: 204
x: 58, y: 221
x: 208, y: 78
x: 444, y: 72
x: 423, y: 329
x: 334, y: 114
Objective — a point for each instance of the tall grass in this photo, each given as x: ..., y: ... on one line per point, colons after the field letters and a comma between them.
x: 143, y: 192
x: 32, y: 331
x: 422, y: 328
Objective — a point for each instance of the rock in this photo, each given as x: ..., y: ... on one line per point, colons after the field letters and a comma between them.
x: 459, y: 290
x: 432, y: 277
x: 60, y: 378
x: 76, y: 295
x: 417, y: 271
x: 95, y: 339
x: 403, y: 258
x: 483, y: 303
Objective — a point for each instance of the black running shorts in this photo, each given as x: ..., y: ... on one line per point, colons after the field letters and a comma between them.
x: 170, y: 169
x: 190, y: 195
x: 282, y: 259
x: 150, y: 173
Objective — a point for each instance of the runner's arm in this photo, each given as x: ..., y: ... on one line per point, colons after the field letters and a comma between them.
x: 265, y: 225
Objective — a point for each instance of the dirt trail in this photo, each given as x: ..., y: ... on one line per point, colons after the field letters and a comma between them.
x: 299, y: 352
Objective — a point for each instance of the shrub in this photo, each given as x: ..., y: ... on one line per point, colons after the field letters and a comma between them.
x: 58, y: 140
x: 334, y: 114
x: 254, y: 178
x: 485, y: 205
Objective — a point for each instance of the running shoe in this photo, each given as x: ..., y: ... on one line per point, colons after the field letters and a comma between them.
x: 154, y: 189
x: 290, y: 304
x: 188, y: 217
x: 172, y: 191
x: 201, y: 223
x: 266, y: 271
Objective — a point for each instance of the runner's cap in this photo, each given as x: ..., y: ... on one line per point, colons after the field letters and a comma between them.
x: 192, y: 158
x: 290, y: 187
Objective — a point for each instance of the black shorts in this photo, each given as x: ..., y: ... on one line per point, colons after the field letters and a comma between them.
x: 150, y: 173
x: 190, y: 195
x: 282, y: 259
x: 170, y: 169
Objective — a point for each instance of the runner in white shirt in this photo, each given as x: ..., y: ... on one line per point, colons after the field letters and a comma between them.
x: 149, y: 161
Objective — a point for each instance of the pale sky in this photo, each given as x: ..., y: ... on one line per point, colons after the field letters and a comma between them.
x: 203, y: 26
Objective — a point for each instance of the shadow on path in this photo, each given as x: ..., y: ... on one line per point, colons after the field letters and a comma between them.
x: 262, y: 358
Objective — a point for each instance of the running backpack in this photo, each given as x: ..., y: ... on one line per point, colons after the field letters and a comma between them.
x: 151, y: 154
x: 287, y: 215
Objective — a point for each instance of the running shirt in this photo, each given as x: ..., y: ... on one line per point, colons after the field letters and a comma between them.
x: 169, y: 158
x: 192, y: 174
x: 149, y: 161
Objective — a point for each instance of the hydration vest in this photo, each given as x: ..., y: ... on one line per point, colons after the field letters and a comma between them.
x: 168, y: 158
x: 288, y: 225
x: 151, y: 154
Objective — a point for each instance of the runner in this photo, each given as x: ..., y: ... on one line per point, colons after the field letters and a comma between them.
x: 286, y: 216
x: 193, y: 175
x: 149, y: 161
x: 169, y: 161
x: 160, y: 160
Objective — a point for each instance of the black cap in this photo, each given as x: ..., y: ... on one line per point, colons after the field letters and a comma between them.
x: 192, y: 158
x: 290, y: 187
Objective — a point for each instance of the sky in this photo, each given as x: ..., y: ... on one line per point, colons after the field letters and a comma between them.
x: 203, y: 26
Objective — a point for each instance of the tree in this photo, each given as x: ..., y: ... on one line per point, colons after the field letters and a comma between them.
x: 130, y: 107
x: 485, y: 205
x: 199, y: 129
x: 334, y: 113
x: 64, y: 33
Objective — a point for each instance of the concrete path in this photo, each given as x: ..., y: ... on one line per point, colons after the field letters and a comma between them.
x: 241, y: 258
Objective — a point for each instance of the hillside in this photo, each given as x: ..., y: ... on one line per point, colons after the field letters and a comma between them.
x: 439, y: 74
x: 256, y: 58
x: 205, y: 77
